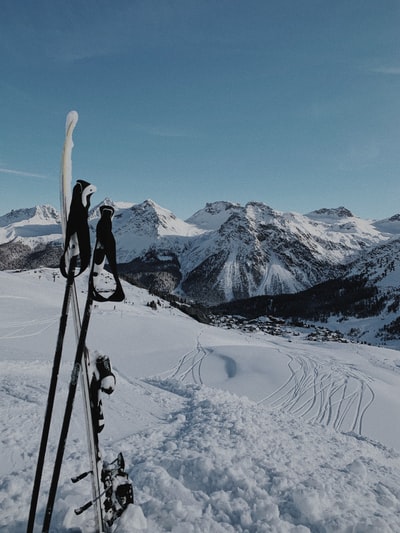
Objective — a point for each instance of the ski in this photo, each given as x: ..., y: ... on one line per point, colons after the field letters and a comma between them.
x: 101, y: 379
x: 77, y: 248
x: 65, y: 195
x: 117, y: 492
x: 104, y: 250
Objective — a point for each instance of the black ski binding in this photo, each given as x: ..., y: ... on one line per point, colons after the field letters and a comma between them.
x: 118, y: 489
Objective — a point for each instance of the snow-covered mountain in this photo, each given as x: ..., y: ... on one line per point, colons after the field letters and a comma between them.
x: 223, y: 252
x: 30, y: 226
x: 258, y: 250
x: 30, y: 237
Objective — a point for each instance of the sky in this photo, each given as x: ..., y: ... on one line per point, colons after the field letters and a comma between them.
x: 292, y: 103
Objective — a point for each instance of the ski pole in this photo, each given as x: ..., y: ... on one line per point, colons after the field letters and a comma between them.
x: 51, y: 394
x: 67, y: 415
x: 104, y: 248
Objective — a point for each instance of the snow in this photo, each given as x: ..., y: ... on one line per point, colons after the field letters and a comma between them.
x: 221, y: 430
x: 213, y: 215
x: 389, y: 225
x: 338, y: 229
x: 40, y: 224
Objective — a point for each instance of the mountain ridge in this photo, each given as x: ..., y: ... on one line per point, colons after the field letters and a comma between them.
x: 223, y: 252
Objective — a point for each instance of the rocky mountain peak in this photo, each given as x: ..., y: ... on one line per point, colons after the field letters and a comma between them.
x: 213, y: 215
x: 39, y: 214
x: 332, y: 212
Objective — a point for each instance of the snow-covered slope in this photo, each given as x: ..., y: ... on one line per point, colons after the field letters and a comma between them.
x: 221, y: 430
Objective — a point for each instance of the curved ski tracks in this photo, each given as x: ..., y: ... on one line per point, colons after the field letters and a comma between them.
x: 333, y: 394
x: 190, y: 364
x: 27, y: 328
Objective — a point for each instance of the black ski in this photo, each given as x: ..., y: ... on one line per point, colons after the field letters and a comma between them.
x: 76, y: 253
x: 104, y: 249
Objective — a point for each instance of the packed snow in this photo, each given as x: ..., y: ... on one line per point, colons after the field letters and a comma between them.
x: 221, y: 430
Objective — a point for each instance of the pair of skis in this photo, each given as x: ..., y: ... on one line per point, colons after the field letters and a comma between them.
x: 111, y: 500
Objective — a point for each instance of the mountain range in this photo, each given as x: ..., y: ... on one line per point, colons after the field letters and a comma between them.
x: 226, y: 252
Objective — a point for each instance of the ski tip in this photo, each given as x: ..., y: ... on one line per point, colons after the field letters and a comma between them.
x: 72, y: 119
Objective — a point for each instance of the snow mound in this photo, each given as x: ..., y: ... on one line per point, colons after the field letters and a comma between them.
x: 225, y: 464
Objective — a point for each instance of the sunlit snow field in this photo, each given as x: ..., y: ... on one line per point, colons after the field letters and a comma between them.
x: 221, y: 430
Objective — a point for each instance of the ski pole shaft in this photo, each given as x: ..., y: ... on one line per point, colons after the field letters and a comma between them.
x: 51, y: 394
x: 67, y: 415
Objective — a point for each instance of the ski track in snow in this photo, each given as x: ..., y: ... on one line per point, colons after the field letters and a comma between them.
x: 28, y: 328
x: 190, y: 364
x: 327, y: 392
x: 331, y: 393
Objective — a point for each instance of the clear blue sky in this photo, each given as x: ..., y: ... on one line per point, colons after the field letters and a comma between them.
x: 292, y: 103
